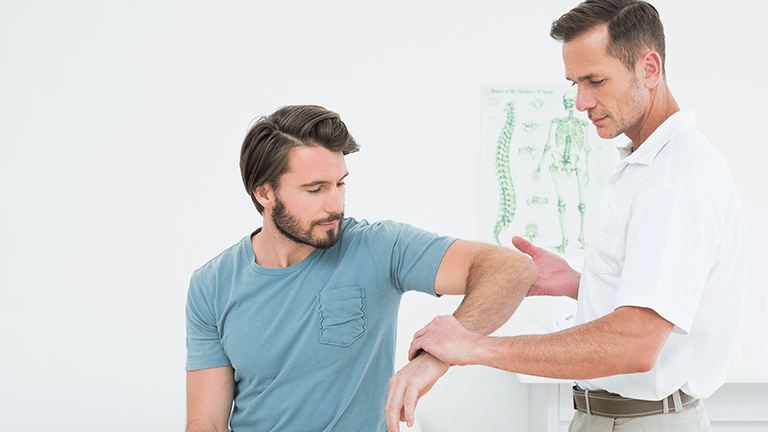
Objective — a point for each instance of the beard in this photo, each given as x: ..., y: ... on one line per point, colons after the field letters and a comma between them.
x: 637, y: 101
x: 290, y: 227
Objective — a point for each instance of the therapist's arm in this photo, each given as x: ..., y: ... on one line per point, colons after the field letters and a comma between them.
x: 210, y: 393
x: 628, y: 340
x: 493, y: 280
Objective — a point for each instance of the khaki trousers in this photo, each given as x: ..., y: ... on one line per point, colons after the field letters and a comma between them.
x: 692, y: 419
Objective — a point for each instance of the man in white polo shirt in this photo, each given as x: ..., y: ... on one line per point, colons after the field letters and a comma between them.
x: 660, y: 294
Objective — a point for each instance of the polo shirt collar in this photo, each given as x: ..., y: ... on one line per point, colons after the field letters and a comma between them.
x: 672, y: 127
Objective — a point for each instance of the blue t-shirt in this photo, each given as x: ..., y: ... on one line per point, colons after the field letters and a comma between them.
x: 312, y: 345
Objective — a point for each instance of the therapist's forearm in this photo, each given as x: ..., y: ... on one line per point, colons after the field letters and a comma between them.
x: 628, y: 340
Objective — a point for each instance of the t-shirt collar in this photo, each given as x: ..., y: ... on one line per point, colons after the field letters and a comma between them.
x: 647, y: 152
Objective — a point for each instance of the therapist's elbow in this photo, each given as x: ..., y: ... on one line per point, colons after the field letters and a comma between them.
x: 644, y: 364
x: 634, y: 358
x: 645, y: 354
x: 644, y: 337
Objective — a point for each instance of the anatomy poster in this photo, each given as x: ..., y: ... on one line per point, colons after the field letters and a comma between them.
x: 543, y: 168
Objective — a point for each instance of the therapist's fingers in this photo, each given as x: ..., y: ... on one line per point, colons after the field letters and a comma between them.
x: 416, y: 348
x: 525, y: 246
x: 414, y: 352
x: 422, y: 331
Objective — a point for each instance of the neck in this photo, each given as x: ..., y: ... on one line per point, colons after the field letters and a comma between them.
x: 661, y: 107
x: 273, y: 250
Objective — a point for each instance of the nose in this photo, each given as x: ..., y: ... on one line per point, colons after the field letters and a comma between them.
x: 334, y: 201
x: 584, y: 100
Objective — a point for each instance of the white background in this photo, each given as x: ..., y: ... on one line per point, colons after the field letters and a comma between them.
x: 120, y: 128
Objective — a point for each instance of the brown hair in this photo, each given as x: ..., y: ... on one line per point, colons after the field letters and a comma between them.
x: 633, y: 25
x: 265, y: 150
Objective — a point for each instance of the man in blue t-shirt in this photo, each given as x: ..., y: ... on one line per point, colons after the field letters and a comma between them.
x: 293, y: 328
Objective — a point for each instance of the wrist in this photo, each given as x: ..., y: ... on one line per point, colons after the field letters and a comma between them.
x: 477, y: 350
x: 433, y: 362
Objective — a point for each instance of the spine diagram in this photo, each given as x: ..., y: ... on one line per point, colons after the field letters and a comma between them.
x: 507, y: 198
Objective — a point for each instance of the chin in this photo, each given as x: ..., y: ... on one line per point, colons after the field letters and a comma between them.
x: 605, y: 133
x: 327, y: 243
x: 327, y: 239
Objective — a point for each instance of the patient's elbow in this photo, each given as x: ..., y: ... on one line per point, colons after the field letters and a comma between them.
x: 530, y: 273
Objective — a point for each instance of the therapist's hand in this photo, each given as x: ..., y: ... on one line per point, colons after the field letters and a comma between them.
x: 556, y: 277
x: 408, y: 385
x: 446, y: 339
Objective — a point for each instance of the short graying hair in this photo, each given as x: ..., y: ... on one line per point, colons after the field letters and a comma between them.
x: 633, y: 26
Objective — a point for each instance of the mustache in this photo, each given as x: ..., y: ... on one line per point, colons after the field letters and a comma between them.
x: 595, y: 115
x: 331, y: 218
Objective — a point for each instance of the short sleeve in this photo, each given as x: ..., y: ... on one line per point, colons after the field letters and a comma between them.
x: 669, y: 255
x: 412, y: 255
x: 204, y: 349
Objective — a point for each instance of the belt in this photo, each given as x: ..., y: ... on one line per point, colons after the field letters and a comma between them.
x: 605, y: 404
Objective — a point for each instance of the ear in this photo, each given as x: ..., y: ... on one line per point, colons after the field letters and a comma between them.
x: 651, y: 69
x: 265, y: 195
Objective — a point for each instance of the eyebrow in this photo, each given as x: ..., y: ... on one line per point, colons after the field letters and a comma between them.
x: 583, y: 78
x: 321, y: 182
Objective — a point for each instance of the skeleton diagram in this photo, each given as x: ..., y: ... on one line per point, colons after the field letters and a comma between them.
x: 570, y: 139
x: 508, y: 199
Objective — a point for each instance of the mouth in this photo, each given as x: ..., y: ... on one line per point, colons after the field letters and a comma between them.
x: 596, y: 120
x: 330, y: 223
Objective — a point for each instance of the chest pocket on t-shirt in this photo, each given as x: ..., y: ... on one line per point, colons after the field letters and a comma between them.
x: 342, y: 315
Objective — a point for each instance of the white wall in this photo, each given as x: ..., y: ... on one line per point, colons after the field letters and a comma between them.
x: 120, y: 126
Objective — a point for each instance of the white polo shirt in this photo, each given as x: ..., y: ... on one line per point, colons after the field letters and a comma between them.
x: 670, y: 236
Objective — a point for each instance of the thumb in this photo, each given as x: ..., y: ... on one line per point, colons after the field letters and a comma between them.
x: 525, y: 246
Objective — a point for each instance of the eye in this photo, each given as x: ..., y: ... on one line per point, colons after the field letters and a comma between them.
x: 341, y: 183
x: 596, y: 82
x: 314, y: 191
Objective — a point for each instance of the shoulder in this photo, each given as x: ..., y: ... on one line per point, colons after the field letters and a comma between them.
x: 690, y: 168
x: 363, y: 229
x: 222, y: 264
x: 387, y: 236
x: 693, y: 162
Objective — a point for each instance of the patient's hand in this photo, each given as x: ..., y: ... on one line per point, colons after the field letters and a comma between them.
x: 408, y: 385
